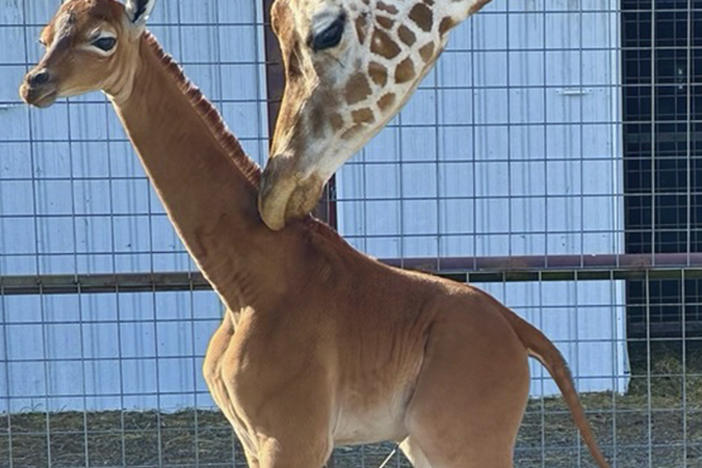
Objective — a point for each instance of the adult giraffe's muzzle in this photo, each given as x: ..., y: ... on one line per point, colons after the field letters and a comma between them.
x: 286, y: 193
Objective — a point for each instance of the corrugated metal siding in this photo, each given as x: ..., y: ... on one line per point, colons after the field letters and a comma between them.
x: 106, y: 351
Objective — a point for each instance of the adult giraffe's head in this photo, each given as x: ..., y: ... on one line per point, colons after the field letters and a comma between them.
x: 350, y: 65
x: 90, y: 45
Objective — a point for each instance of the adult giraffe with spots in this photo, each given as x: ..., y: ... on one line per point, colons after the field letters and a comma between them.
x: 350, y: 66
x: 320, y: 345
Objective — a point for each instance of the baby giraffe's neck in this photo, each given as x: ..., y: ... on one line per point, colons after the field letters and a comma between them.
x: 205, y: 181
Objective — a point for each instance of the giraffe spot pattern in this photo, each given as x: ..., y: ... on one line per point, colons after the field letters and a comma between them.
x: 477, y: 6
x: 383, y: 45
x: 315, y: 123
x: 406, y: 35
x: 361, y: 116
x: 361, y: 28
x: 384, y: 21
x: 336, y: 121
x: 378, y: 73
x: 351, y: 132
x: 385, y: 7
x: 357, y: 88
x: 404, y: 71
x: 446, y: 24
x: 427, y: 51
x: 422, y: 16
x: 386, y: 101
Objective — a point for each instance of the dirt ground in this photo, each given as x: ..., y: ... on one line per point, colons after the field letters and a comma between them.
x: 665, y: 435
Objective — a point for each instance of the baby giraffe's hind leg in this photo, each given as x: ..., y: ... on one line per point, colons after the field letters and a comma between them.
x: 470, y: 393
x: 414, y: 453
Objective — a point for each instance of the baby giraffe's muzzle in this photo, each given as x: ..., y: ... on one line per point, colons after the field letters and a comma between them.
x: 38, y: 88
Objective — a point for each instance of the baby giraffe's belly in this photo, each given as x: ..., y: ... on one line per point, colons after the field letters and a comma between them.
x: 360, y: 423
x: 372, y: 396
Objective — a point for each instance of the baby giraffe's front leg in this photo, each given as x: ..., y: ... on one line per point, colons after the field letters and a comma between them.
x: 283, y: 394
x: 294, y: 454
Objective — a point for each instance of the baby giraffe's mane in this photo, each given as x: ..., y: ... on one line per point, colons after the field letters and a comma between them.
x: 208, y: 113
x: 213, y: 119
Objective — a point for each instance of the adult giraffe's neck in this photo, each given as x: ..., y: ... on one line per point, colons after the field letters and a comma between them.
x: 205, y: 181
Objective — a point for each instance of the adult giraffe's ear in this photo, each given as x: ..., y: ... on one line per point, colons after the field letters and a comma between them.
x: 138, y: 11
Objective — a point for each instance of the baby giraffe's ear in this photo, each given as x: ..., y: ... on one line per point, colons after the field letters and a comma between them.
x: 138, y: 11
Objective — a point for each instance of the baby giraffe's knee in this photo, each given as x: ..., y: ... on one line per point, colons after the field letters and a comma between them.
x: 276, y: 454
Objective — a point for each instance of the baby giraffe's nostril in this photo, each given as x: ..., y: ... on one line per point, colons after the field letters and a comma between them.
x: 39, y: 78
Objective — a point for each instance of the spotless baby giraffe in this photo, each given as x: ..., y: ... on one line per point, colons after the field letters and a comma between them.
x: 320, y: 345
x: 350, y: 66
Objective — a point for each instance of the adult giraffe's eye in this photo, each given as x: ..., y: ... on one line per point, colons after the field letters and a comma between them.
x: 331, y: 36
x: 105, y: 43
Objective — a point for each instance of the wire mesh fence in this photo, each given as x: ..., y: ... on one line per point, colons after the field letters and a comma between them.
x: 550, y: 158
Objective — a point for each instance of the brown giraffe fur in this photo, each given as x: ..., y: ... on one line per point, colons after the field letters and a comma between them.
x: 385, y: 49
x: 320, y: 345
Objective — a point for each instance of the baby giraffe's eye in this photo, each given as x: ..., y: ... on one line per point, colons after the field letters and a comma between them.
x: 105, y: 43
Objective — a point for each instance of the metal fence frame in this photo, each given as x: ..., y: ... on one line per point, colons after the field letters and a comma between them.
x: 536, y: 268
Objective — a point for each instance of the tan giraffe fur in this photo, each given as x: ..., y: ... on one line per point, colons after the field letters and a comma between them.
x: 338, y: 97
x: 320, y: 345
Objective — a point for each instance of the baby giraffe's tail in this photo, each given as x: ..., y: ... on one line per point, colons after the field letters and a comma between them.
x: 540, y: 347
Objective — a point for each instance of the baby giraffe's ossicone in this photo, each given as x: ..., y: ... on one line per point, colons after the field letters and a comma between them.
x: 350, y: 66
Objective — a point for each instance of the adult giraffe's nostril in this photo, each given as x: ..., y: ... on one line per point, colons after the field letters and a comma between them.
x: 39, y: 78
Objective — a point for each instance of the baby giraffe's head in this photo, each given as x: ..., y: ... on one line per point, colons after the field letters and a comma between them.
x: 90, y: 45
